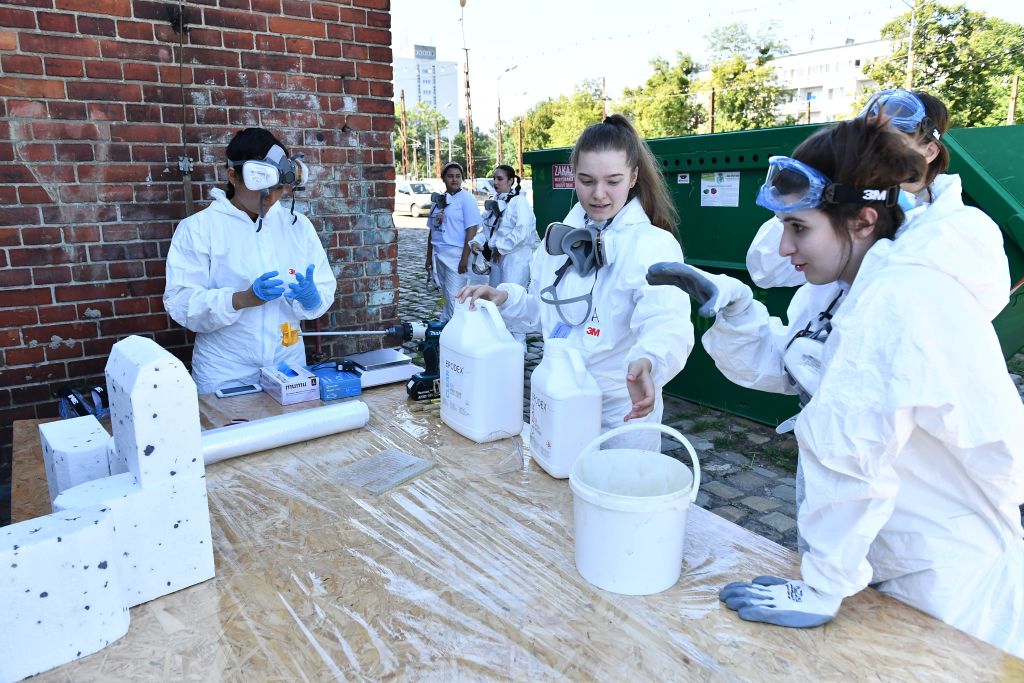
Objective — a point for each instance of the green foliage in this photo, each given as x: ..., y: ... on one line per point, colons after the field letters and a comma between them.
x: 558, y: 122
x: 962, y: 56
x: 483, y: 151
x: 736, y: 39
x: 746, y: 94
x: 664, y: 105
x: 420, y: 126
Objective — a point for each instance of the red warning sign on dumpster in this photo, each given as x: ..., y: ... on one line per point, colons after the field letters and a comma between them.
x: 562, y: 178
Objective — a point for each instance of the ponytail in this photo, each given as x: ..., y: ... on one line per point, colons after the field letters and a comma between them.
x: 617, y: 133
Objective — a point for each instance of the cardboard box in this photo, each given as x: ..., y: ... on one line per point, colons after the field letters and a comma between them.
x: 287, y: 388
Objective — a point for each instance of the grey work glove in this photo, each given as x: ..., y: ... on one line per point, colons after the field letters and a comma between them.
x: 714, y: 293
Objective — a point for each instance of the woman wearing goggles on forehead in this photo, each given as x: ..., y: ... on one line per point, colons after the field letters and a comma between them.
x: 910, y: 442
x: 923, y: 119
x: 244, y: 265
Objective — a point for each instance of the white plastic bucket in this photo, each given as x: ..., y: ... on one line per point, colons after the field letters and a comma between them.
x: 630, y: 509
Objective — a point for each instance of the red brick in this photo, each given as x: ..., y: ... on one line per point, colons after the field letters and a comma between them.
x: 66, y: 349
x: 297, y: 27
x: 242, y: 21
x: 51, y: 276
x: 140, y: 52
x: 144, y: 133
x: 79, y: 213
x: 106, y: 70
x: 325, y: 12
x: 105, y: 92
x: 149, y: 153
x: 340, y: 32
x: 153, y: 286
x: 36, y: 152
x: 375, y: 106
x: 205, y: 36
x: 135, y: 30
x: 53, y: 130
x: 28, y: 109
x: 301, y: 46
x: 208, y: 76
x: 97, y: 26
x: 156, y: 268
x: 132, y: 306
x: 115, y: 8
x: 269, y: 43
x: 123, y: 270
x: 371, y: 70
x: 17, y: 18
x: 134, y: 324
x: 28, y: 297
x: 89, y: 292
x: 300, y: 83
x: 41, y: 235
x: 51, y: 173
x: 373, y: 4
x: 107, y: 173
x: 380, y: 54
x: 211, y: 57
x: 146, y: 113
x: 8, y: 40
x: 31, y: 87
x: 103, y: 111
x: 57, y: 23
x: 73, y: 194
x: 99, y: 347
x: 235, y: 4
x: 70, y: 152
x: 55, y: 314
x: 175, y: 74
x: 62, y: 45
x: 14, y: 215
x: 328, y: 67
x: 8, y: 195
x: 356, y: 87
x: 238, y: 41
x: 372, y: 35
x: 90, y: 272
x: 141, y: 72
x: 66, y: 110
x: 43, y: 334
x: 295, y: 8
x: 15, y: 277
x: 76, y: 234
x: 84, y: 368
x: 33, y: 194
x: 329, y: 85
x: 114, y: 193
x: 384, y: 89
x: 266, y: 6
x: 350, y: 15
x: 353, y: 51
x: 22, y: 64
x: 67, y: 68
x: 24, y: 356
x: 378, y: 19
x: 328, y: 48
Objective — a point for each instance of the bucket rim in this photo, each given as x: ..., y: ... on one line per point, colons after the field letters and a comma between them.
x: 620, y: 501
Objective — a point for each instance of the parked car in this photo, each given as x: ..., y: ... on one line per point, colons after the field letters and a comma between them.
x: 413, y: 198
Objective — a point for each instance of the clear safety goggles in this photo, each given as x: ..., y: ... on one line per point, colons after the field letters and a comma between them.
x: 904, y: 110
x: 274, y: 171
x: 792, y: 185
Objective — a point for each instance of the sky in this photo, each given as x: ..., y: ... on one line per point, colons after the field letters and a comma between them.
x: 543, y: 48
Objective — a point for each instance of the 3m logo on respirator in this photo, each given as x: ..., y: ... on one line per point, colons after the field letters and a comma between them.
x: 875, y: 195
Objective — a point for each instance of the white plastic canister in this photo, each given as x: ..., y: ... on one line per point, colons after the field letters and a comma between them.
x: 630, y: 509
x: 565, y: 408
x: 481, y: 369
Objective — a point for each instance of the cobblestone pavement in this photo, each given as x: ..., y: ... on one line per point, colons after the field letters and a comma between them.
x: 747, y: 470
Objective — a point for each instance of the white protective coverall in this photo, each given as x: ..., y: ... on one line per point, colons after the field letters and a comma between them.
x: 912, y: 448
x: 629, y: 319
x: 217, y: 252
x: 514, y: 237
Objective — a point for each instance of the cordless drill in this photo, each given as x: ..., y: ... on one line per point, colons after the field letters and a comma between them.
x: 424, y: 385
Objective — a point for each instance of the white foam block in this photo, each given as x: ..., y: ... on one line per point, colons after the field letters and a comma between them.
x: 74, y: 452
x: 61, y: 593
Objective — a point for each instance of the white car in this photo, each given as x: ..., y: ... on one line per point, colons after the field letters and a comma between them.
x: 413, y: 198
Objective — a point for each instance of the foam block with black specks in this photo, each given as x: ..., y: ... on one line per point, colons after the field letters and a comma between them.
x: 74, y: 452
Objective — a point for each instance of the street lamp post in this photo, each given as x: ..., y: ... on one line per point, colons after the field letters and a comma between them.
x: 500, y: 141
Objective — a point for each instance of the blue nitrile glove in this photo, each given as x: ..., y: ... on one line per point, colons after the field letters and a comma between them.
x: 304, y: 290
x: 715, y: 293
x: 782, y: 602
x: 266, y: 287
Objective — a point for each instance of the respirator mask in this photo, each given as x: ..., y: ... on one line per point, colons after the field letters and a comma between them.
x: 802, y: 358
x: 587, y: 249
x: 273, y: 172
x: 439, y: 200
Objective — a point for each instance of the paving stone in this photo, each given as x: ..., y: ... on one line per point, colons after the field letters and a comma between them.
x: 733, y: 514
x: 698, y: 443
x: 779, y: 522
x: 724, y: 491
x: 783, y: 492
x: 734, y: 458
x: 716, y: 468
x: 767, y: 473
x: 737, y: 429
x: 760, y: 503
x: 748, y: 481
x: 703, y: 499
x: 788, y: 481
x: 757, y: 439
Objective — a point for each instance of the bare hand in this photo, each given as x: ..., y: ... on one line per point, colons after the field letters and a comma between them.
x: 495, y: 256
x: 463, y: 265
x: 485, y: 292
x: 429, y: 265
x: 641, y: 388
x: 475, y: 246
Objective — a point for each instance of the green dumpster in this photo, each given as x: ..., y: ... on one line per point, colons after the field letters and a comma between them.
x: 714, y: 180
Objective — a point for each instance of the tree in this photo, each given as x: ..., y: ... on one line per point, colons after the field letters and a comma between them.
x: 558, y: 122
x: 483, y: 150
x: 420, y: 124
x: 962, y: 56
x: 733, y: 39
x: 664, y: 105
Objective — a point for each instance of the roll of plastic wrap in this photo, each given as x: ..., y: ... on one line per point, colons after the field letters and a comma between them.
x: 259, y: 435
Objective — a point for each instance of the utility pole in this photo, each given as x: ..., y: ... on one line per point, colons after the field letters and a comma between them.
x: 808, y: 111
x: 909, y: 83
x: 712, y: 110
x: 469, y: 122
x: 405, y: 141
x: 437, y: 148
x: 499, y: 131
x: 604, y: 101
x: 415, y: 159
x: 520, y: 147
x: 1011, y: 113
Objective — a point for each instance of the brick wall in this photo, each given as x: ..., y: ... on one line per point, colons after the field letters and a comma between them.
x: 91, y: 128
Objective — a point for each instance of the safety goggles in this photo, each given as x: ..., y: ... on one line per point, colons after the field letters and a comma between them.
x: 904, y: 110
x: 792, y: 185
x: 274, y: 171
